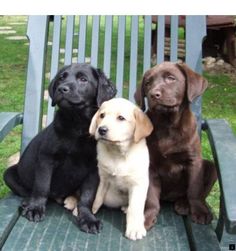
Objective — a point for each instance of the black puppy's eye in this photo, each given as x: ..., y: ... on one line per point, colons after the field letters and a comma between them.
x: 63, y: 76
x: 121, y: 118
x: 83, y: 79
x: 102, y: 115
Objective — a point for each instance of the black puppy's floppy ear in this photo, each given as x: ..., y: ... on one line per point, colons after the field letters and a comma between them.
x: 106, y: 90
x: 139, y: 96
x: 51, y: 90
x: 196, y: 84
x: 52, y: 87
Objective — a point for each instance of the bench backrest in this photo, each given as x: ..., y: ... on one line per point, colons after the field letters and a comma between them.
x: 120, y: 45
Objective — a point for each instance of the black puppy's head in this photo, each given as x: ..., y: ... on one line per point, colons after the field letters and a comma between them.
x: 80, y: 86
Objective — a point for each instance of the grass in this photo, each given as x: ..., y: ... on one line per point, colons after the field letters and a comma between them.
x: 218, y: 101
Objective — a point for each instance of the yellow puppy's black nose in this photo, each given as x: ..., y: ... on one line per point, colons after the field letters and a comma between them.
x: 102, y: 130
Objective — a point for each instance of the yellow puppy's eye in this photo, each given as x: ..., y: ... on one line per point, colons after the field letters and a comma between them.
x: 121, y: 118
x: 102, y: 115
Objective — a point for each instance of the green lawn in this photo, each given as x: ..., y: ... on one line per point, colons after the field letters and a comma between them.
x: 218, y: 101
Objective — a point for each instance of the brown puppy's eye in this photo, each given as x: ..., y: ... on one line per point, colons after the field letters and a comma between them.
x: 121, y: 118
x: 170, y: 78
x: 147, y: 82
x: 102, y: 115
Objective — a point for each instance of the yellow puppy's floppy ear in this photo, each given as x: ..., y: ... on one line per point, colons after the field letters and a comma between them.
x: 93, y: 124
x: 143, y: 125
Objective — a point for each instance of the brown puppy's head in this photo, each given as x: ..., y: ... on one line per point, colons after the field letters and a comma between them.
x: 167, y: 85
x: 118, y: 121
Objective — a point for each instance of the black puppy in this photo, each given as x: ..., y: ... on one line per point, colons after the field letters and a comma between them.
x: 61, y: 159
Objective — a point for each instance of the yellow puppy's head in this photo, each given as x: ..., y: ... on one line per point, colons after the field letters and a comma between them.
x: 119, y: 120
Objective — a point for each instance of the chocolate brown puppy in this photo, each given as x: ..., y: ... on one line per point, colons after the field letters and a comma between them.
x: 177, y: 171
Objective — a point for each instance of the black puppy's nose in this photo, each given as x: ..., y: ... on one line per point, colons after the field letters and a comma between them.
x: 64, y: 89
x: 102, y: 130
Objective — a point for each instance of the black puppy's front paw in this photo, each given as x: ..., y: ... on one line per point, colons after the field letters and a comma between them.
x: 33, y: 210
x: 89, y: 224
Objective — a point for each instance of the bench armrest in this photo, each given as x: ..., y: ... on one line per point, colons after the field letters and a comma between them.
x: 8, y: 120
x: 223, y: 145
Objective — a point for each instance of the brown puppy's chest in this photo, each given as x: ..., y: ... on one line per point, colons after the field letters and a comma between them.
x: 170, y: 157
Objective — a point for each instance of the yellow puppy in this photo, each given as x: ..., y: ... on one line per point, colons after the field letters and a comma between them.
x: 120, y: 128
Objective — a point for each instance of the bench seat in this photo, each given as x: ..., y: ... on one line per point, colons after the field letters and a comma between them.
x: 58, y: 231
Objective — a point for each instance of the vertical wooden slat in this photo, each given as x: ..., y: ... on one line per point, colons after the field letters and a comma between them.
x: 35, y: 77
x: 107, y: 45
x: 69, y: 39
x: 147, y: 43
x: 54, y: 61
x: 133, y: 57
x: 95, y: 41
x: 174, y: 39
x: 120, y: 55
x: 160, y: 39
x: 82, y: 38
x: 194, y: 54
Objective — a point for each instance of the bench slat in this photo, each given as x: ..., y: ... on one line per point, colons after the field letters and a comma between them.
x: 55, y: 61
x: 9, y: 214
x: 95, y: 41
x: 107, y: 46
x: 120, y: 55
x: 161, y: 39
x: 147, y: 43
x: 69, y: 39
x: 82, y: 38
x: 202, y: 237
x: 174, y: 39
x: 133, y: 57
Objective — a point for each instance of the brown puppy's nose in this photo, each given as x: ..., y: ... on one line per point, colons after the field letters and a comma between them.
x: 156, y: 95
x: 102, y: 130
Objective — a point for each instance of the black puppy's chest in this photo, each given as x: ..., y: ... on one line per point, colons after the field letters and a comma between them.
x: 74, y: 161
x: 76, y: 149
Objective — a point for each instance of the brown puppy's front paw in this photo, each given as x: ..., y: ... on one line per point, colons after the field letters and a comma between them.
x: 181, y: 207
x: 201, y: 214
x: 201, y: 217
x: 150, y: 220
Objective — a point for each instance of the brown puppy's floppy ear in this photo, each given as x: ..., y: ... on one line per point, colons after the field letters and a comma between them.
x: 139, y: 96
x: 196, y: 84
x: 143, y: 125
x: 93, y: 124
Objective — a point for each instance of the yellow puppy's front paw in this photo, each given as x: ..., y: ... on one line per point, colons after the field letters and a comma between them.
x: 75, y: 212
x: 135, y: 233
x: 95, y: 209
x: 70, y: 203
x: 124, y: 209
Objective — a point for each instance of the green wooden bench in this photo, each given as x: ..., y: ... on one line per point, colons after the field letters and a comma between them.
x: 124, y: 56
